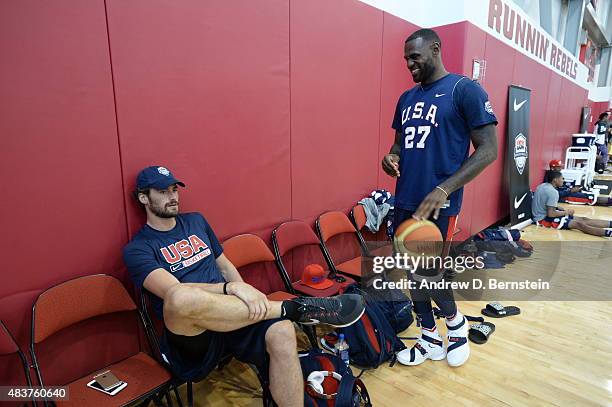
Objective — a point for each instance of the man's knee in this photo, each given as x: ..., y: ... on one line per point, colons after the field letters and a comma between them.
x: 181, y: 301
x: 576, y: 224
x: 280, y: 338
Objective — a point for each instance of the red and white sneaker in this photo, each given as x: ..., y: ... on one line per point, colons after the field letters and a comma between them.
x: 458, y: 349
x: 429, y: 346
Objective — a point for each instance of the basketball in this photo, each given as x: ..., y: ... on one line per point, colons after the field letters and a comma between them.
x: 418, y: 238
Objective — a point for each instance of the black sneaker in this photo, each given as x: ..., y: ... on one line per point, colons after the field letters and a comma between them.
x: 339, y: 311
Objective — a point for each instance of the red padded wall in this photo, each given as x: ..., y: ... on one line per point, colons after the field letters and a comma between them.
x: 453, y: 38
x: 555, y: 113
x: 64, y: 213
x: 551, y: 124
x: 570, y: 103
x: 470, y: 220
x: 395, y: 80
x: 335, y: 103
x: 492, y: 182
x: 268, y: 110
x: 203, y: 87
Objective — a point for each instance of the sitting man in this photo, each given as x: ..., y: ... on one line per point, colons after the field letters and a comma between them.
x: 208, y: 311
x: 545, y: 212
x: 575, y: 195
x: 602, y: 127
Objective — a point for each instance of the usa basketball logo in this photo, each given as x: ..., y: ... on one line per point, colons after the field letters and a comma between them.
x: 520, y: 152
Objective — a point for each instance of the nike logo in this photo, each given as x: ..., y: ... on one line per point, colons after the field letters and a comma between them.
x: 176, y: 267
x: 517, y: 107
x: 519, y: 202
x: 439, y: 94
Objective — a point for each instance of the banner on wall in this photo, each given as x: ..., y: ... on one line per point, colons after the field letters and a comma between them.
x: 519, y: 105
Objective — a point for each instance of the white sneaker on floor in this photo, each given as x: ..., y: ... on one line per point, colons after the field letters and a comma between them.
x: 458, y: 349
x: 426, y: 347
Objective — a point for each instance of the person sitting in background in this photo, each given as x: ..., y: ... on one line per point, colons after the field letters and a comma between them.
x: 575, y: 194
x: 546, y: 213
x: 602, y: 127
x: 208, y: 311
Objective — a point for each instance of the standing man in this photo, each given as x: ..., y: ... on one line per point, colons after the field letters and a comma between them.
x: 208, y: 311
x: 601, y: 137
x: 434, y: 123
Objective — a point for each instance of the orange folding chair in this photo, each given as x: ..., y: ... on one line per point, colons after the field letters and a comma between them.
x: 380, y: 244
x: 82, y: 299
x: 341, y: 243
x: 256, y: 264
x: 296, y: 246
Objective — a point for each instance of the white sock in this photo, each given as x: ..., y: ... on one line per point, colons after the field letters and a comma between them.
x: 456, y: 320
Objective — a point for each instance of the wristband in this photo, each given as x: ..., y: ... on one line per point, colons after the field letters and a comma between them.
x: 225, y: 288
x: 442, y: 189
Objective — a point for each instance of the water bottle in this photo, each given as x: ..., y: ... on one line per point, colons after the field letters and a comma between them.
x: 342, y: 349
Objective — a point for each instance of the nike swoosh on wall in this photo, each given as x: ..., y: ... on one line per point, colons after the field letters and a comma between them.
x: 519, y: 202
x: 517, y: 107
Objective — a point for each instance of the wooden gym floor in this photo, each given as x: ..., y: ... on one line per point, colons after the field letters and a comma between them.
x: 556, y: 353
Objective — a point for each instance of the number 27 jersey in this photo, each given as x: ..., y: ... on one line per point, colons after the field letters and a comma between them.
x: 435, y: 121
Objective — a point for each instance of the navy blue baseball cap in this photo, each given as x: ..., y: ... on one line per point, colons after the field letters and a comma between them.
x: 156, y: 177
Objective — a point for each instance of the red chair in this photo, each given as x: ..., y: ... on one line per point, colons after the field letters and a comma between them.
x: 9, y: 347
x: 374, y: 244
x: 256, y: 264
x: 295, y: 246
x: 83, y: 299
x: 358, y: 217
x: 341, y: 243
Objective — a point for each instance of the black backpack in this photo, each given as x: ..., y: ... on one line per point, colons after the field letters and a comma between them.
x: 372, y: 340
x: 349, y: 391
x: 397, y: 308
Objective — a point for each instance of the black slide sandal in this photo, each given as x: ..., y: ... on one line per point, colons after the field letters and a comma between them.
x: 496, y: 310
x: 479, y: 333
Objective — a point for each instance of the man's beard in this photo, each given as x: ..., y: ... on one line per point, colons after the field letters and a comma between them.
x: 163, y: 212
x: 427, y: 70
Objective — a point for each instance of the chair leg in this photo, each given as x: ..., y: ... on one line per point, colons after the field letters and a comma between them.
x: 179, y: 401
x: 267, y: 399
x: 145, y: 403
x: 189, y: 394
x: 169, y: 399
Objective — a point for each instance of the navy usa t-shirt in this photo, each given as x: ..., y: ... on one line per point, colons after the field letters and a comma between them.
x: 435, y: 120
x: 188, y: 252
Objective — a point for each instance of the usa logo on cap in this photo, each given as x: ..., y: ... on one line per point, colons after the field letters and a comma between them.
x: 163, y: 171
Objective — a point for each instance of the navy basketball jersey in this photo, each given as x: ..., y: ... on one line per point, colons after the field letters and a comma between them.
x: 188, y: 252
x: 435, y: 121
